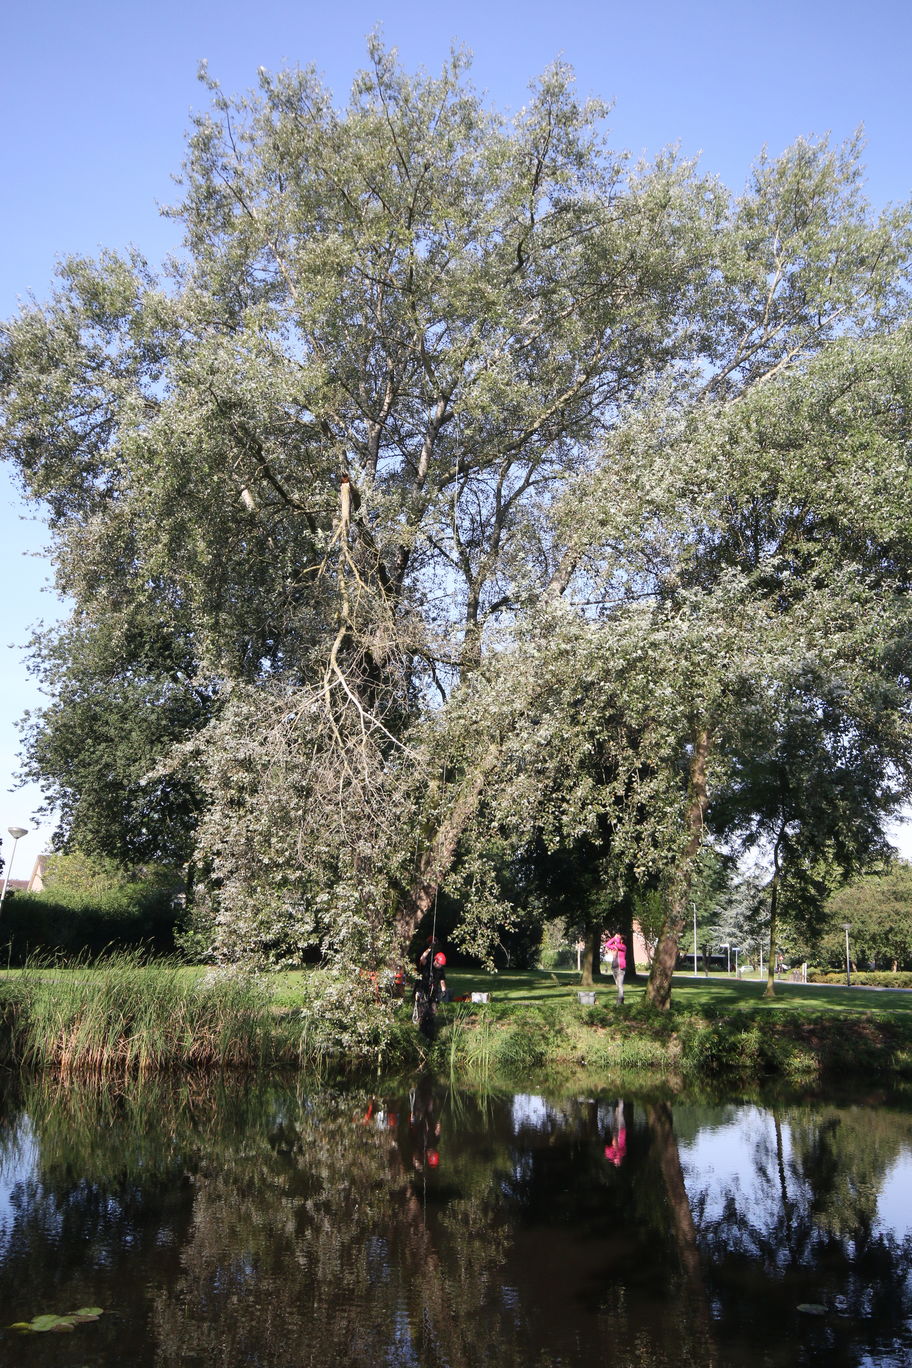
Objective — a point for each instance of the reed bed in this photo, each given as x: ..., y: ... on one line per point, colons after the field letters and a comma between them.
x: 123, y: 1015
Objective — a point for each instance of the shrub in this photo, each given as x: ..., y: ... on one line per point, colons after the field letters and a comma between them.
x: 345, y: 1022
x: 71, y: 918
x: 864, y: 979
x: 523, y: 1045
x: 714, y: 1046
x: 563, y: 957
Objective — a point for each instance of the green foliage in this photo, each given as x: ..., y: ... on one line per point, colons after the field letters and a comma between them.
x: 864, y: 978
x: 122, y: 694
x: 717, y: 1047
x: 525, y: 1042
x: 879, y: 908
x: 90, y: 903
x: 741, y: 917
x: 463, y: 486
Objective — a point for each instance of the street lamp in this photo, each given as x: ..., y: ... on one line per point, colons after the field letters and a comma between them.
x: 16, y: 833
x: 845, y: 927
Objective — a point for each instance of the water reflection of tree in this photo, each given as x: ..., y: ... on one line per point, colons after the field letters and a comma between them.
x: 331, y: 1248
x: 808, y: 1235
x: 101, y: 1212
x: 696, y: 1318
x: 264, y: 1226
x: 269, y: 1228
x: 609, y: 1239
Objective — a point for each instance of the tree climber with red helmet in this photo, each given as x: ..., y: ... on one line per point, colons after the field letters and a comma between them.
x: 432, y: 971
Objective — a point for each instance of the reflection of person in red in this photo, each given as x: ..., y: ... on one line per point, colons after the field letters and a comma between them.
x: 377, y: 1116
x: 616, y: 1151
x: 617, y: 952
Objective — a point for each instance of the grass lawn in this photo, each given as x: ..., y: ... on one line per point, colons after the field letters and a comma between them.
x: 538, y: 986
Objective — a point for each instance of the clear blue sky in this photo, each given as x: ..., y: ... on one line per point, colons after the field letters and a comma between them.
x: 95, y: 98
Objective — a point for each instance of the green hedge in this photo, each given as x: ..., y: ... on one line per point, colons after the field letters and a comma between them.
x: 867, y: 979
x: 64, y: 922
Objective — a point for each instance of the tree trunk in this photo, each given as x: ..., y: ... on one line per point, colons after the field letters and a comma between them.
x: 770, y: 990
x: 591, y: 969
x: 658, y: 989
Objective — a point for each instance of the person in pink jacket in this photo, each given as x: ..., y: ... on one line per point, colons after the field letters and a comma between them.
x: 617, y: 951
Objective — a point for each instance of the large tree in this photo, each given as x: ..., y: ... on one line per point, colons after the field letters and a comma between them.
x: 426, y: 386
x: 394, y: 327
x: 755, y: 561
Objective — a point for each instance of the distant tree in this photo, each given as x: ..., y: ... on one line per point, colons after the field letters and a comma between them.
x: 879, y: 908
x: 742, y: 916
x: 813, y: 790
x: 123, y: 693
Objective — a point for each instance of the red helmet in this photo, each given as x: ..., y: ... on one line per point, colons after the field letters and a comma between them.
x: 440, y: 959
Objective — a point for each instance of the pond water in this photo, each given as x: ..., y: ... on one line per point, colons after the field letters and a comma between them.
x: 286, y: 1224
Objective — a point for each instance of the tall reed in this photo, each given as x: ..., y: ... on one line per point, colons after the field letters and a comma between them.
x: 121, y: 1014
x: 469, y: 1046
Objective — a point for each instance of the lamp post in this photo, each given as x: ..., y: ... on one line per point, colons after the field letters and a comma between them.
x: 16, y: 833
x: 845, y: 927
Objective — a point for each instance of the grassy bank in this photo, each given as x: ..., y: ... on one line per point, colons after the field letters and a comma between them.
x: 717, y: 1029
x: 122, y: 1016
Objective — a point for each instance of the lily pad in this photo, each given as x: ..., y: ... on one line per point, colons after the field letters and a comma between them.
x: 59, y: 1325
x: 40, y: 1323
